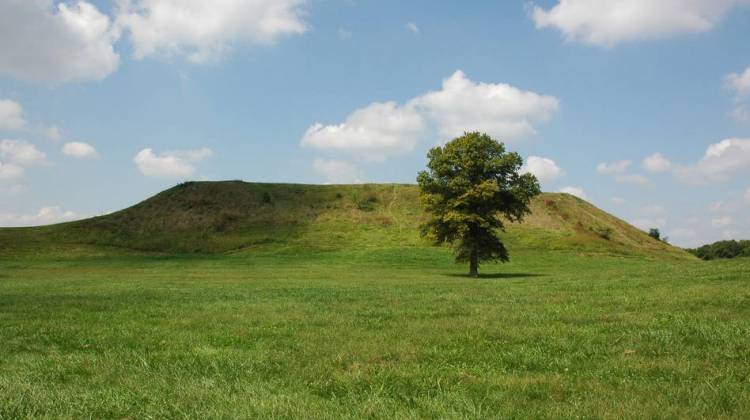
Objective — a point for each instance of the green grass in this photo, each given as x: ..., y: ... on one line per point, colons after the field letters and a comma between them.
x: 221, y: 300
x: 389, y: 331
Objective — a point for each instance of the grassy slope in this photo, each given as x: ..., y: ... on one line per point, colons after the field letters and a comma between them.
x: 229, y: 216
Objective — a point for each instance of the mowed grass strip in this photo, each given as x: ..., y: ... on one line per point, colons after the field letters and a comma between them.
x: 381, y: 333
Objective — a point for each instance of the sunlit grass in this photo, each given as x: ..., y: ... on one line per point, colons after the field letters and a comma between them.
x: 382, y: 332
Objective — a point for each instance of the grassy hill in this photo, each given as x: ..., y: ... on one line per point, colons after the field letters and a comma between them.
x: 323, y: 302
x: 234, y: 216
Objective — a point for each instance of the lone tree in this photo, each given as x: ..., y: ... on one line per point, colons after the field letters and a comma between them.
x: 654, y: 233
x: 469, y: 184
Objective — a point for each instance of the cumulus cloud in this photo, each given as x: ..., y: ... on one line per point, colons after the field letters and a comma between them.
x: 44, y: 41
x: 720, y: 161
x: 498, y: 109
x: 412, y: 27
x: 739, y: 83
x: 576, y: 191
x: 337, y: 171
x: 543, y: 168
x: 205, y: 30
x: 79, y: 150
x: 613, y: 168
x: 657, y: 163
x: 45, y: 216
x: 20, y: 152
x: 374, y: 132
x: 10, y: 173
x: 384, y: 129
x: 53, y: 133
x: 11, y: 115
x: 610, y: 22
x: 172, y: 164
x: 618, y: 169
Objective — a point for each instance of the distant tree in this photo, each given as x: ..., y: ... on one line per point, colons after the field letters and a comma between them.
x: 654, y: 233
x: 468, y: 185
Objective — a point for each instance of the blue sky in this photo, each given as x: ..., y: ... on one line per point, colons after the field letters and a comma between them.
x: 105, y: 103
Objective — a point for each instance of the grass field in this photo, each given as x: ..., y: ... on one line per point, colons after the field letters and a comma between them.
x: 216, y: 300
x: 380, y: 332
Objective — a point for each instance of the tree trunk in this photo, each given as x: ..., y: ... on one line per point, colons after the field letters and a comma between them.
x: 474, y: 264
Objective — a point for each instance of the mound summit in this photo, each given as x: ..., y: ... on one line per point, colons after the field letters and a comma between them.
x: 234, y: 216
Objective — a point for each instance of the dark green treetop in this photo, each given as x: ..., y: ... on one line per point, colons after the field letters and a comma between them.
x: 469, y: 186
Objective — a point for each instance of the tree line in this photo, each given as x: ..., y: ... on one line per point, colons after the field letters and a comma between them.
x: 722, y: 249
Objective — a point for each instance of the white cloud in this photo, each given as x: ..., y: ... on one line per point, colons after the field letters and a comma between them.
x: 576, y: 191
x: 412, y: 27
x: 383, y: 129
x: 739, y: 82
x: 79, y: 150
x: 609, y: 22
x: 633, y: 179
x: 721, y: 221
x: 173, y: 164
x: 20, y: 152
x: 613, y: 168
x: 747, y: 195
x: 53, y: 133
x: 618, y: 200
x: 374, y: 132
x: 719, y: 163
x: 498, y: 109
x: 740, y: 113
x: 10, y: 172
x: 543, y: 168
x: 337, y: 172
x: 657, y: 163
x: 205, y: 30
x: 11, y: 114
x: 45, y: 216
x: 44, y: 41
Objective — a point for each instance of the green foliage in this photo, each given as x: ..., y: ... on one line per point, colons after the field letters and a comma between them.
x: 654, y: 233
x: 722, y: 249
x: 266, y: 198
x: 469, y: 184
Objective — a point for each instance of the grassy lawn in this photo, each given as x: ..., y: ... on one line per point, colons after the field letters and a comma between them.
x: 384, y: 333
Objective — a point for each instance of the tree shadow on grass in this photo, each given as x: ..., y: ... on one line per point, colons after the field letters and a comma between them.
x: 497, y: 275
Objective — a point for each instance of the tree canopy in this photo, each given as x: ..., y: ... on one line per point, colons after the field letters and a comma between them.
x: 722, y: 249
x: 470, y: 187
